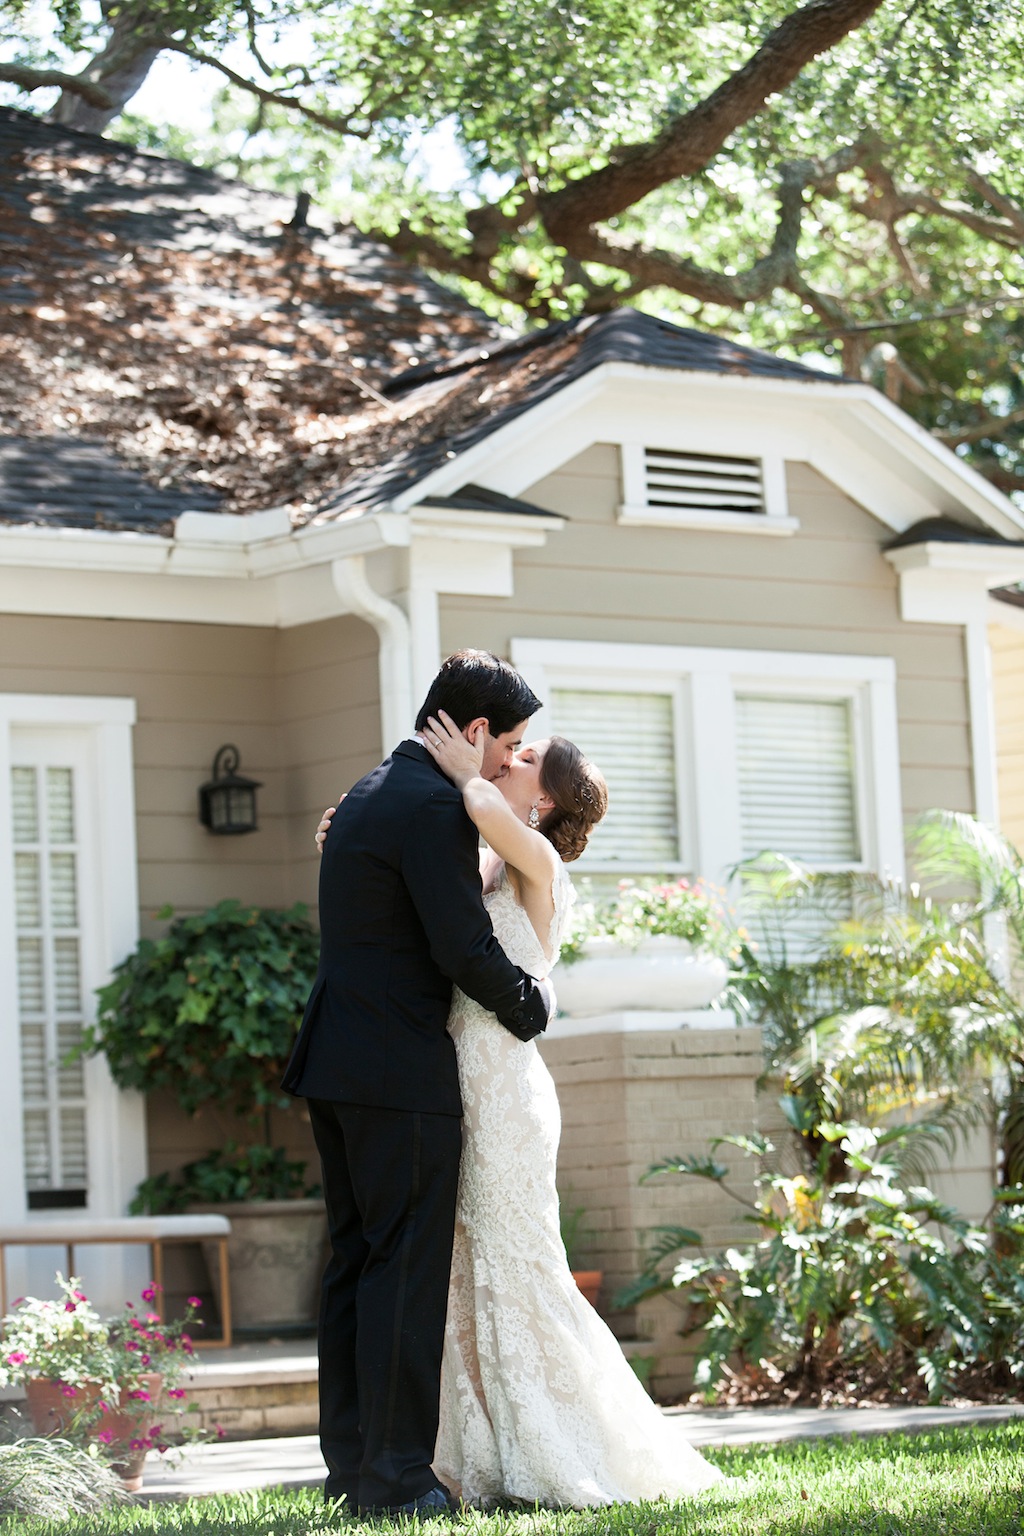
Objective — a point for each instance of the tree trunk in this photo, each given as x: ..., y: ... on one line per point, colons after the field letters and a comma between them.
x: 120, y: 68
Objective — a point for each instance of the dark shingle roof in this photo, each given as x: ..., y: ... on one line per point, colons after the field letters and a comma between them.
x: 946, y: 530
x: 172, y: 317
x: 65, y: 482
x: 456, y: 403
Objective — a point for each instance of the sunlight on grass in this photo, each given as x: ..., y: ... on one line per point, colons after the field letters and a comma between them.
x: 949, y: 1482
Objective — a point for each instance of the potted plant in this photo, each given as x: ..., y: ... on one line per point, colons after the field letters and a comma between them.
x: 108, y: 1380
x: 208, y: 1014
x: 663, y: 947
x: 574, y: 1236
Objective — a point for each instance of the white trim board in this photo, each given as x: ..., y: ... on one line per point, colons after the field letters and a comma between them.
x: 850, y: 433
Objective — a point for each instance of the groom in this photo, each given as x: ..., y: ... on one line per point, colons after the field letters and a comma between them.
x: 401, y: 919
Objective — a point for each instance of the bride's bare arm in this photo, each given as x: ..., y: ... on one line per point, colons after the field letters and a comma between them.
x: 527, y: 852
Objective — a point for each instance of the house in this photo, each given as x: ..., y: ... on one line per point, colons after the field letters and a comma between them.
x: 256, y: 479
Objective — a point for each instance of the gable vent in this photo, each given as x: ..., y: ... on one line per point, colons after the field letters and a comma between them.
x: 702, y: 482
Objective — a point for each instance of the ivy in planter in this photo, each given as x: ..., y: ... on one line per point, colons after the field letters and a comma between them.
x: 209, y: 1011
x: 220, y: 1178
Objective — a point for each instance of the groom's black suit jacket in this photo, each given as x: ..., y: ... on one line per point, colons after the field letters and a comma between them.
x: 401, y: 919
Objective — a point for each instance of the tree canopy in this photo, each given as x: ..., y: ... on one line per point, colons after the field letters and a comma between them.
x: 841, y: 176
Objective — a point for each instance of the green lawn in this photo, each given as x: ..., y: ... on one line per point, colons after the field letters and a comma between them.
x: 949, y: 1482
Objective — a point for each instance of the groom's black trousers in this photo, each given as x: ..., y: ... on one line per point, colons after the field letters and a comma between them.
x: 390, y: 1182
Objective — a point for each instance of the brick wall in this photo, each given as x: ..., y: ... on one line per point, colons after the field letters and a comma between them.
x: 629, y: 1100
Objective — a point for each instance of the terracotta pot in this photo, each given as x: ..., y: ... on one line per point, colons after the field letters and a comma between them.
x: 589, y: 1282
x: 54, y: 1413
x: 276, y: 1254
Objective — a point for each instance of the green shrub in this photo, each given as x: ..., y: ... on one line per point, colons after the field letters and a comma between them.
x: 209, y: 1011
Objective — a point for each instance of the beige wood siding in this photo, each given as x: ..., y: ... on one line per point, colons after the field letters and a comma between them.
x: 826, y: 589
x: 1008, y: 703
x: 300, y: 705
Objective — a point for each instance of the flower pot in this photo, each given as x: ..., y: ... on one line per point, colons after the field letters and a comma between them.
x: 662, y: 973
x: 276, y: 1256
x: 123, y: 1429
x: 50, y: 1408
x: 589, y: 1282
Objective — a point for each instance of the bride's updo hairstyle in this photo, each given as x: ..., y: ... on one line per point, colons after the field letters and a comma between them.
x: 580, y: 795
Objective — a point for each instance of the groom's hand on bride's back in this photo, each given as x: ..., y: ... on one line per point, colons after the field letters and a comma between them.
x: 322, y: 830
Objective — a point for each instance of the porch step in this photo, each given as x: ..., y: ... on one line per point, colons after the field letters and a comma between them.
x: 255, y: 1391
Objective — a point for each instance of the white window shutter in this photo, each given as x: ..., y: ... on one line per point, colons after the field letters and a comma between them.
x: 796, y: 774
x: 631, y: 738
x: 47, y: 908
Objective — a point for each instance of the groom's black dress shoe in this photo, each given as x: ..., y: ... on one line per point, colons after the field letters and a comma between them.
x: 435, y: 1501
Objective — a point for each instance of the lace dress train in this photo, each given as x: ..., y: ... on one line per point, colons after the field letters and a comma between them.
x: 537, y: 1401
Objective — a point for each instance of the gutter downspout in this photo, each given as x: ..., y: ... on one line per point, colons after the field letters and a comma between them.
x: 397, y: 712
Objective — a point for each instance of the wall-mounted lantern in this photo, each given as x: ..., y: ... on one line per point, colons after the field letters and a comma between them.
x: 227, y: 803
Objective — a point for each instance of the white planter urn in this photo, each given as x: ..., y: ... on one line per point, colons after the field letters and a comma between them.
x: 661, y: 973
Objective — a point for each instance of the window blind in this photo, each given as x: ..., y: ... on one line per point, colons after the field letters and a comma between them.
x: 49, y: 977
x: 631, y: 738
x: 796, y: 776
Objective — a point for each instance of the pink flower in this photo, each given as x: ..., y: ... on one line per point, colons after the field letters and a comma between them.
x: 176, y: 1392
x: 69, y: 1306
x: 149, y: 1294
x: 17, y: 1357
x: 152, y: 1317
x: 80, y: 1296
x: 141, y: 1395
x: 66, y: 1391
x: 163, y: 1449
x: 138, y: 1445
x: 105, y: 1408
x: 195, y: 1301
x: 220, y: 1432
x: 145, y: 1359
x: 106, y: 1435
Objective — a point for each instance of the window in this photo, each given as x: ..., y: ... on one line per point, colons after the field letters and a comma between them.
x: 690, y: 488
x: 641, y: 829
x: 713, y: 756
x: 798, y: 793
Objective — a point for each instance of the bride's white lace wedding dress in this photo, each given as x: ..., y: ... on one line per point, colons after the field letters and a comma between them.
x: 537, y: 1400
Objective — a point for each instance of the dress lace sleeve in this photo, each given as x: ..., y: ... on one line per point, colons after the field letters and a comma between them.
x: 563, y: 894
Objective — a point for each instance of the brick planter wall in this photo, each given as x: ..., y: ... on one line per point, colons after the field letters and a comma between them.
x: 628, y: 1100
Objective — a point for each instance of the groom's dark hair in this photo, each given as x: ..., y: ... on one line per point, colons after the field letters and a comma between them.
x: 475, y: 683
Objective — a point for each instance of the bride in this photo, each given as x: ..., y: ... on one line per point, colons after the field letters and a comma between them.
x: 537, y: 1400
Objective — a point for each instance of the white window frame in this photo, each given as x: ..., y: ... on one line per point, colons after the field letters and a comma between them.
x: 708, y: 679
x: 636, y: 511
x: 115, y: 1119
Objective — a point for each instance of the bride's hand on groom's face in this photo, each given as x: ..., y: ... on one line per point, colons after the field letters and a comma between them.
x: 460, y: 759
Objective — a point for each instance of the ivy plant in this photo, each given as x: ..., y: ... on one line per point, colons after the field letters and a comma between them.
x: 209, y: 1011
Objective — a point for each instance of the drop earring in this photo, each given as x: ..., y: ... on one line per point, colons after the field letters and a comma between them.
x: 534, y: 818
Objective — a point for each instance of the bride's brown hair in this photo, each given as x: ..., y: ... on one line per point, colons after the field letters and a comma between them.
x: 580, y: 795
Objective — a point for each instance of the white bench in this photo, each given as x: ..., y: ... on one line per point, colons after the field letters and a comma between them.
x: 157, y: 1232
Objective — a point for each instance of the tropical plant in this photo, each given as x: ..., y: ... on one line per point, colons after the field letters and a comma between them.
x: 856, y: 1274
x: 684, y: 909
x: 222, y: 1177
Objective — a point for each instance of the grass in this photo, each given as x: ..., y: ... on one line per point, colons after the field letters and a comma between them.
x: 947, y: 1482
